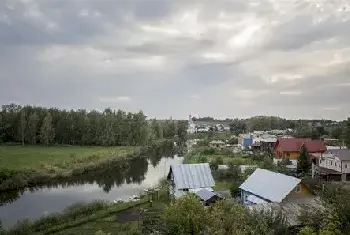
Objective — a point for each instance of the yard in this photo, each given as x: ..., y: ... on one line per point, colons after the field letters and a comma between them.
x: 40, y: 158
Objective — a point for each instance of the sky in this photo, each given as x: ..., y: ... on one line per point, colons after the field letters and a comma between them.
x: 234, y: 58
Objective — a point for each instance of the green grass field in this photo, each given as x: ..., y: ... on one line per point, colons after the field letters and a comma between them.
x: 41, y: 158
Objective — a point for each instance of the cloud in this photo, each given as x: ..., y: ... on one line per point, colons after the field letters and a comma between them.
x: 120, y: 99
x: 290, y: 93
x: 228, y: 58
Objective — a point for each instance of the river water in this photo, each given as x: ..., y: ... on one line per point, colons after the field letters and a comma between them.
x: 34, y: 203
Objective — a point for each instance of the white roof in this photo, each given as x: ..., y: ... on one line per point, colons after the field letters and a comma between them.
x: 187, y: 176
x: 270, y: 185
x: 256, y: 200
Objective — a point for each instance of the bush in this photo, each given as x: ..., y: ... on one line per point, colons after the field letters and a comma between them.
x: 234, y: 190
x: 209, y: 151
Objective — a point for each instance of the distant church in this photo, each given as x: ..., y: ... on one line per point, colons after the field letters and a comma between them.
x: 191, y: 126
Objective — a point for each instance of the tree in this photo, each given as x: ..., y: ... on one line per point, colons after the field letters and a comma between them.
x: 228, y: 218
x: 182, y: 130
x: 304, y: 164
x: 307, y: 231
x: 47, y: 132
x: 347, y: 134
x: 22, y: 126
x: 32, y: 128
x: 186, y: 216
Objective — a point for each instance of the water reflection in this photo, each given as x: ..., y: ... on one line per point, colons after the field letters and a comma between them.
x: 107, y: 178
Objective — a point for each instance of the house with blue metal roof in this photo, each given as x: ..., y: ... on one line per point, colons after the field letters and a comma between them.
x: 186, y: 178
x: 265, y: 186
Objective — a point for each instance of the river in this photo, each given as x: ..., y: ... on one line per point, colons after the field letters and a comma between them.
x: 37, y: 202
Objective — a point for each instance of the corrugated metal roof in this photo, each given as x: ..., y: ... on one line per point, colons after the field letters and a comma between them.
x: 256, y: 200
x: 205, y: 195
x: 188, y: 176
x: 294, y: 145
x: 270, y: 185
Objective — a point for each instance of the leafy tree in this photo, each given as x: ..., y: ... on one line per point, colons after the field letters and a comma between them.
x: 182, y: 130
x: 22, y: 126
x: 336, y: 196
x: 186, y: 216
x: 228, y: 218
x: 47, y: 132
x: 307, y: 231
x: 304, y: 164
x: 32, y: 128
x: 337, y: 132
x: 347, y: 134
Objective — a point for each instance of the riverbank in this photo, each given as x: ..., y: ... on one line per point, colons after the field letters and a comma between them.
x: 91, y: 217
x: 60, y: 163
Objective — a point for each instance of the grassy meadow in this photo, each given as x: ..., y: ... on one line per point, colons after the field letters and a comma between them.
x: 39, y: 158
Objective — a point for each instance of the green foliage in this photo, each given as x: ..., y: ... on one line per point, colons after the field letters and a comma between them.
x: 215, y: 162
x: 47, y: 132
x: 304, y: 163
x: 337, y: 197
x: 100, y: 232
x: 307, y: 231
x: 234, y: 189
x: 29, y: 124
x: 347, y: 134
x: 32, y: 128
x: 228, y: 218
x: 186, y: 216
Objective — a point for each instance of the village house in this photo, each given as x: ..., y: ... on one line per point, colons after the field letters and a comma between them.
x: 185, y: 178
x: 289, y: 148
x: 245, y: 141
x: 332, y: 165
x: 264, y: 186
x: 278, y: 193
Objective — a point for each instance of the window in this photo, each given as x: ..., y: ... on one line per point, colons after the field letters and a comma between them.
x: 288, y: 155
x: 298, y: 188
x: 346, y: 165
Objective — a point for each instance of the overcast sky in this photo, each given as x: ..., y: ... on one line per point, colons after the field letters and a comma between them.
x: 234, y: 58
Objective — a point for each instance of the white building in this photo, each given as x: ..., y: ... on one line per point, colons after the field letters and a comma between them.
x: 191, y: 126
x: 332, y: 164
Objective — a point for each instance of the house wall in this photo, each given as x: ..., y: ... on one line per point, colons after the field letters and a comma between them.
x: 279, y: 154
x: 330, y: 163
x: 299, y: 192
x: 244, y: 196
x: 345, y: 166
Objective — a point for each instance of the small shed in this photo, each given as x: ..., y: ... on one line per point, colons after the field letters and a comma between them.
x: 207, y: 197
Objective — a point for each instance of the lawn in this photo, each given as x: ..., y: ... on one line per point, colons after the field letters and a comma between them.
x: 107, y: 225
x: 221, y: 186
x: 39, y: 157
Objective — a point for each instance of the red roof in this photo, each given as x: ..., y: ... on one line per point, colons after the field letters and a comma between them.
x: 294, y: 145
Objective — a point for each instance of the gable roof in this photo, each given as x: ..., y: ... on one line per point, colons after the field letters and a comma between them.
x: 342, y: 154
x: 270, y: 185
x: 192, y: 176
x: 294, y: 145
x: 205, y: 194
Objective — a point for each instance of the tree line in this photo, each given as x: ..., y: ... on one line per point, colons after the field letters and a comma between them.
x: 39, y: 125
